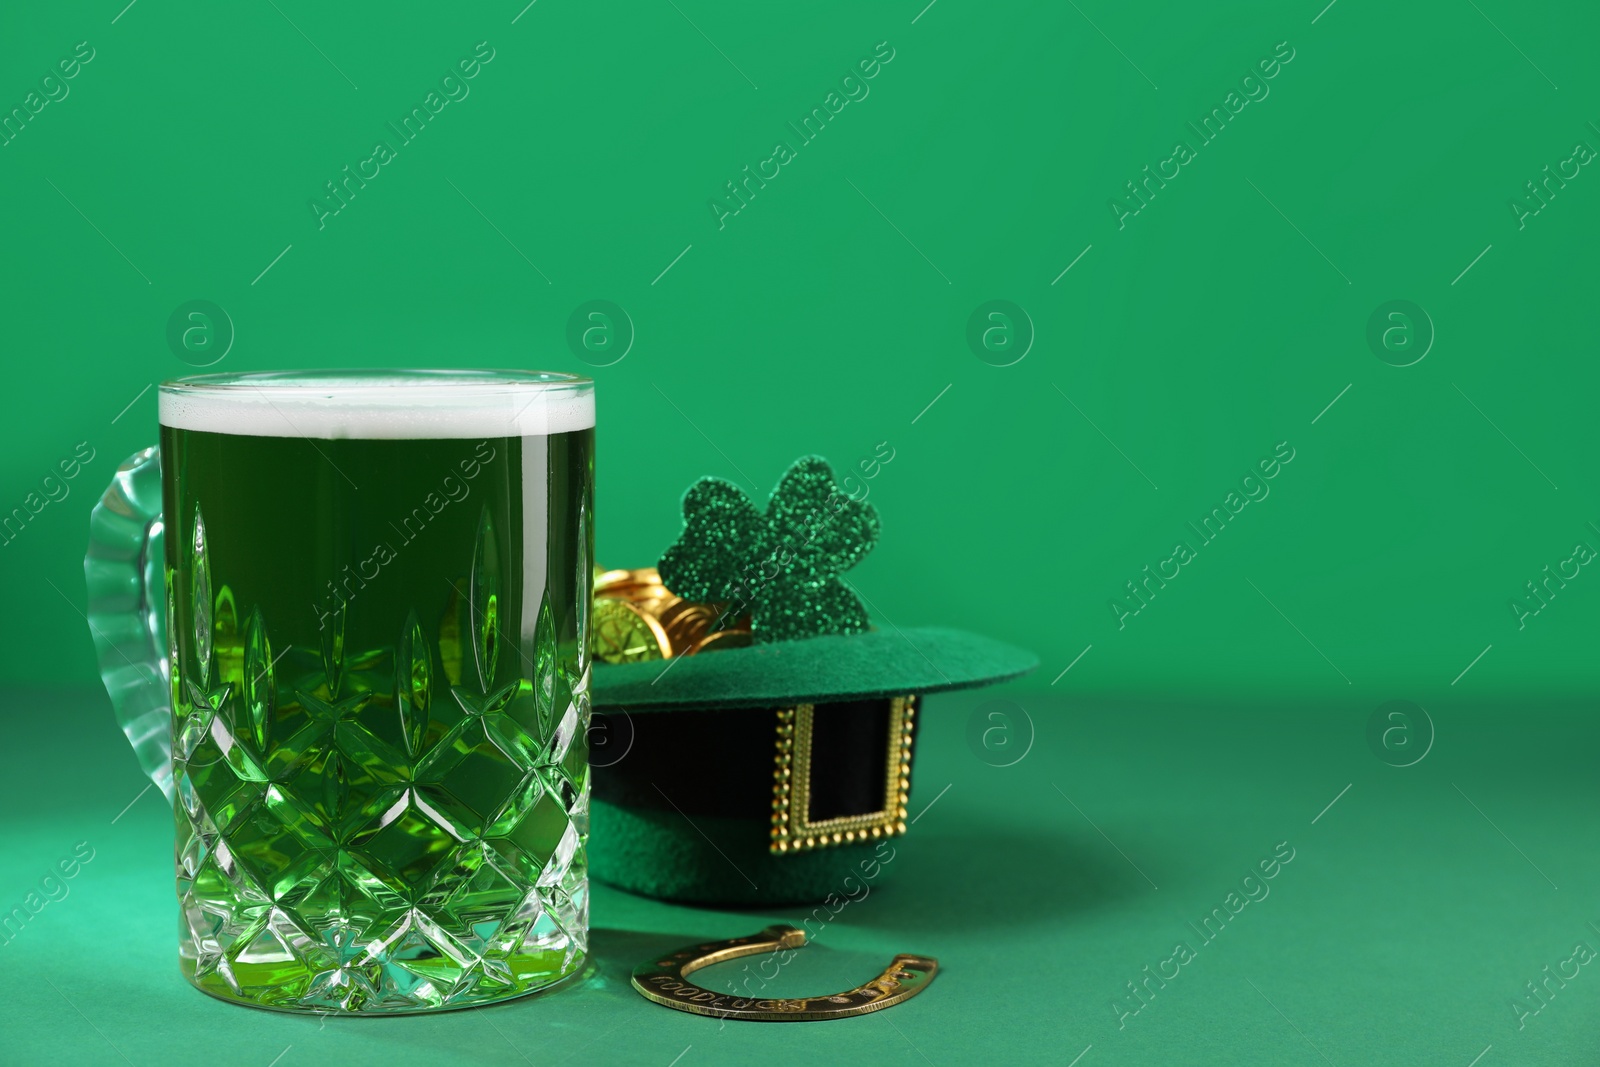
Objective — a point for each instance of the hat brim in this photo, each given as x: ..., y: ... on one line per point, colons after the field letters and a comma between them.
x: 879, y: 663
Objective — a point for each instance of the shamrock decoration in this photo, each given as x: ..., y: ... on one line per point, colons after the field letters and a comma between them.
x: 782, y: 567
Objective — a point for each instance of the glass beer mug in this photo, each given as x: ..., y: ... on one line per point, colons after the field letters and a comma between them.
x: 343, y: 618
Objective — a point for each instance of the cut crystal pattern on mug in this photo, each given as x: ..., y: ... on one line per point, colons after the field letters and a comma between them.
x: 356, y: 833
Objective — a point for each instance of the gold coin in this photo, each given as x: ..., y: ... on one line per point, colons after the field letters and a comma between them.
x: 672, y: 613
x: 652, y: 606
x: 630, y: 574
x: 631, y: 590
x: 620, y: 633
x: 603, y: 579
x: 636, y: 576
x: 720, y: 640
x: 686, y: 622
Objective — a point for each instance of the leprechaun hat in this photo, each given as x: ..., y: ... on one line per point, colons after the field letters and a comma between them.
x: 753, y: 733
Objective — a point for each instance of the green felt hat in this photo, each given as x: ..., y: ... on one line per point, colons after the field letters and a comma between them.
x: 753, y: 730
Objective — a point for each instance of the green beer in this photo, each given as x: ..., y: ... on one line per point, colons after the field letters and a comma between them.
x: 377, y: 597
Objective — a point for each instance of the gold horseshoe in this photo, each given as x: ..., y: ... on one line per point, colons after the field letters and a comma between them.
x: 663, y: 980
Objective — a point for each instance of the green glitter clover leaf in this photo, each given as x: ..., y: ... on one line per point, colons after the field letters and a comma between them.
x: 782, y: 567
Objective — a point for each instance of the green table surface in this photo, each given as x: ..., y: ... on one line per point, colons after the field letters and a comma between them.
x: 1419, y: 902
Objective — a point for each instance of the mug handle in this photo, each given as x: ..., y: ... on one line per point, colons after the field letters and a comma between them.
x: 125, y: 571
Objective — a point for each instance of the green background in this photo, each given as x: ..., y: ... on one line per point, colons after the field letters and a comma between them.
x: 827, y: 316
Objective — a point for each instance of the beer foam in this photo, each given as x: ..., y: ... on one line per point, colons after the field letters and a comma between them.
x: 396, y: 405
